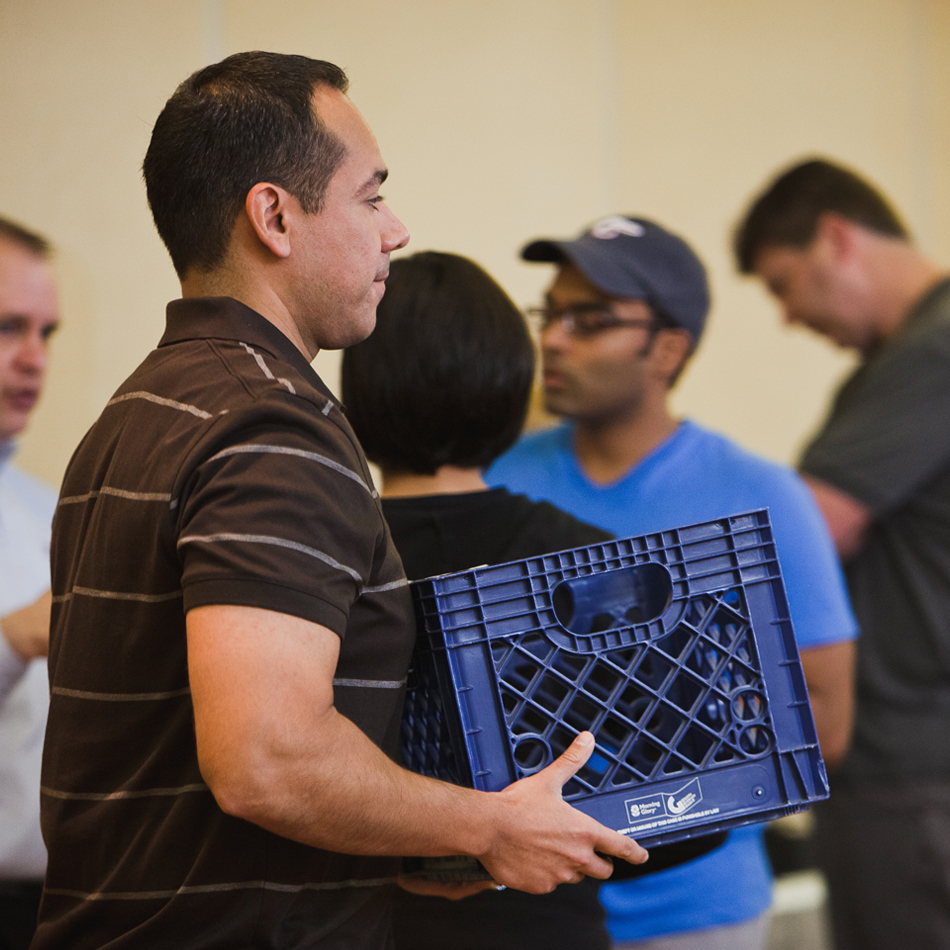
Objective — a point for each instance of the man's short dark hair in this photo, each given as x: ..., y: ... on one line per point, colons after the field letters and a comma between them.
x: 445, y: 377
x: 23, y: 237
x: 247, y: 119
x: 786, y: 214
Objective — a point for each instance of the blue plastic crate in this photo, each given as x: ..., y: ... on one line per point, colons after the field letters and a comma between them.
x: 675, y: 649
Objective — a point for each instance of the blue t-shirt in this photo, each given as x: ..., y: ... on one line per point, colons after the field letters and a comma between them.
x: 694, y: 476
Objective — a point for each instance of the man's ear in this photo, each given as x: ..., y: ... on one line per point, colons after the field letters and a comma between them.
x: 267, y: 207
x: 672, y: 347
x: 837, y: 235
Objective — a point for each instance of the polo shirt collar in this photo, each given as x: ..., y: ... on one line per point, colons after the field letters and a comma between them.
x: 926, y: 301
x: 224, y: 318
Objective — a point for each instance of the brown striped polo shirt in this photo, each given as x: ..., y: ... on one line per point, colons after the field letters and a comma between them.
x: 221, y: 472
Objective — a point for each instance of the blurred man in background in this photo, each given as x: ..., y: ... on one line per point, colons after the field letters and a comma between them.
x: 838, y: 260
x: 28, y: 318
x: 623, y: 315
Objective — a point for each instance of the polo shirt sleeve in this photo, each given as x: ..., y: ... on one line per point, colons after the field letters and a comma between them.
x: 279, y: 512
x: 889, y: 430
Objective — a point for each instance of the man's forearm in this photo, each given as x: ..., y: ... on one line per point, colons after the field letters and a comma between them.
x: 275, y: 751
x: 306, y: 786
x: 829, y: 673
x: 847, y: 518
x: 358, y: 801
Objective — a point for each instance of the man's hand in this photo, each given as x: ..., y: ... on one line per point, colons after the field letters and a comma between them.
x: 540, y: 841
x: 27, y: 629
x: 547, y: 842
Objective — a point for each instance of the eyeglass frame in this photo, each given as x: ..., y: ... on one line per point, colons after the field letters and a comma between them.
x: 547, y: 315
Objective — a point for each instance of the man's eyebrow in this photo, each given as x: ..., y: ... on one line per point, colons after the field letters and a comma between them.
x: 375, y: 181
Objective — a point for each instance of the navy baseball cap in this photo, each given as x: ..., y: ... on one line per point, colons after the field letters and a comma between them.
x: 636, y: 259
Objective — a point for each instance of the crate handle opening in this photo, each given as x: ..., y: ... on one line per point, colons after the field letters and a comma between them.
x: 532, y: 753
x: 612, y: 599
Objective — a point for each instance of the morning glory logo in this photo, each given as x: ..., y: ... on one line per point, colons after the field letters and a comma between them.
x: 665, y: 804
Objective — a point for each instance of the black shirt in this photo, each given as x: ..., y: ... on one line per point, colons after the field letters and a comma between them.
x: 440, y: 534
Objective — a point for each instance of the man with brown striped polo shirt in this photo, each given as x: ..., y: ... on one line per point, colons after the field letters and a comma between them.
x: 231, y: 623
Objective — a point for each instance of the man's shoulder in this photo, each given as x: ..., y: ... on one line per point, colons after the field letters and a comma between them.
x: 534, y: 450
x: 714, y: 473
x: 936, y: 302
x: 211, y: 385
x: 710, y: 447
x: 191, y: 400
x: 926, y: 331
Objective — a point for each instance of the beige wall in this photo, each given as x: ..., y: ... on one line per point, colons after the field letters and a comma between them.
x: 501, y: 120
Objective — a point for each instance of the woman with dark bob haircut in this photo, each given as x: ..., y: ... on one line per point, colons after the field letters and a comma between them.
x: 435, y: 394
x: 445, y: 377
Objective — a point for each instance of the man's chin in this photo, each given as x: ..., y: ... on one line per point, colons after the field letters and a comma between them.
x: 558, y: 403
x: 349, y: 334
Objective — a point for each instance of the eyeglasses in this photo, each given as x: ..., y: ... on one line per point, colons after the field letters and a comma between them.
x: 585, y: 319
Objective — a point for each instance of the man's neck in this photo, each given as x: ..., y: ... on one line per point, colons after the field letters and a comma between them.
x: 225, y: 282
x: 902, y: 277
x: 606, y: 450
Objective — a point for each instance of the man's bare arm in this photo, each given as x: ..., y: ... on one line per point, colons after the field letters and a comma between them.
x: 27, y: 629
x: 847, y: 518
x: 275, y: 751
x: 829, y: 670
x: 829, y: 673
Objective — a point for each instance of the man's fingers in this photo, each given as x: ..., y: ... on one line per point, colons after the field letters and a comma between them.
x: 452, y: 891
x: 620, y: 846
x: 602, y: 867
x: 563, y: 768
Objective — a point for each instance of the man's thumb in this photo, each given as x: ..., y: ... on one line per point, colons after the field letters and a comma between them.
x: 563, y: 768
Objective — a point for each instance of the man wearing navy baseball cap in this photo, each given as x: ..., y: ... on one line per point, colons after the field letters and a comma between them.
x: 620, y: 320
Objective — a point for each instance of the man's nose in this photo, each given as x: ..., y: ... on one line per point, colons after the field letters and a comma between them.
x: 33, y: 352
x: 554, y: 337
x: 395, y: 234
x: 789, y: 317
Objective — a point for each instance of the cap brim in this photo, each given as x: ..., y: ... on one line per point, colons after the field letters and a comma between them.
x: 543, y: 252
x: 590, y: 262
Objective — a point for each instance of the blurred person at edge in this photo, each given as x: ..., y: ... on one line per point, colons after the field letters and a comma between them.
x: 837, y: 258
x: 622, y: 316
x: 28, y: 318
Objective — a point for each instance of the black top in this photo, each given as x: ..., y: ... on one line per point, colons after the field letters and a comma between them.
x: 886, y: 443
x: 440, y: 534
x: 221, y: 472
